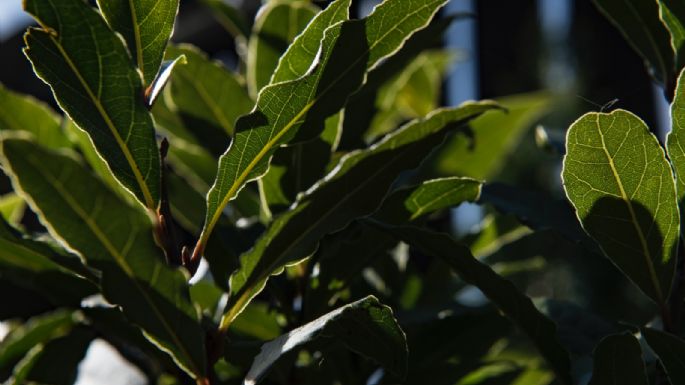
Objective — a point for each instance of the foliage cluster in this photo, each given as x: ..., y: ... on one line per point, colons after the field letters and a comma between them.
x: 300, y: 193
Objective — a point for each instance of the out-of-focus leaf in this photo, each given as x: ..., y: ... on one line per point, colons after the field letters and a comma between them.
x: 229, y: 17
x: 618, y: 360
x: 366, y: 327
x: 24, y: 113
x: 514, y: 304
x: 35, y: 331
x: 408, y: 204
x: 347, y: 51
x: 412, y: 93
x: 276, y: 26
x: 114, y: 238
x: 34, y: 266
x: 257, y: 321
x: 618, y: 179
x: 55, y: 362
x: 356, y: 188
x: 12, y: 208
x: 670, y: 350
x: 88, y: 68
x: 672, y: 14
x: 462, y: 338
x: 146, y: 26
x: 495, y: 231
x: 362, y: 108
x: 206, y: 91
x: 538, y: 211
x: 207, y: 297
x: 494, y: 137
x: 639, y: 23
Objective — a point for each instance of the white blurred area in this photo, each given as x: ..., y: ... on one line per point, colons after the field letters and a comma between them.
x: 12, y: 18
x: 103, y: 365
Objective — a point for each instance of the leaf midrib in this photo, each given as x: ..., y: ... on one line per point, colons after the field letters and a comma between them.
x: 204, y: 236
x: 643, y: 241
x: 137, y: 38
x: 300, y: 236
x: 101, y: 110
x: 120, y: 259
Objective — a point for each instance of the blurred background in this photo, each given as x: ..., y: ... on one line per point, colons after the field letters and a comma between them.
x: 548, y: 60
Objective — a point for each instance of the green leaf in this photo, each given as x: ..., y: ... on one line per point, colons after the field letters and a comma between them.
x: 229, y: 17
x: 639, y: 23
x: 495, y: 137
x: 146, y: 26
x: 55, y: 362
x: 408, y: 204
x: 618, y: 360
x: 12, y: 208
x: 295, y: 168
x: 257, y: 321
x: 36, y: 330
x: 670, y: 350
x: 619, y: 181
x: 347, y: 50
x: 206, y: 91
x: 88, y: 68
x: 672, y: 14
x: 24, y: 113
x: 538, y: 211
x: 514, y: 304
x: 276, y: 26
x: 33, y: 265
x: 675, y: 141
x: 354, y: 189
x: 298, y: 58
x: 85, y: 146
x: 114, y: 238
x: 337, y: 269
x: 362, y: 107
x: 366, y: 327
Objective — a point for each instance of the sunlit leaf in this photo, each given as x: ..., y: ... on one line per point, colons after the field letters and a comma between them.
x: 618, y: 179
x: 276, y: 26
x: 114, y: 238
x: 93, y: 80
x: 146, y: 26
x: 354, y: 189
x: 24, y: 113
x: 302, y: 105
